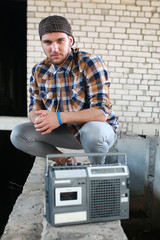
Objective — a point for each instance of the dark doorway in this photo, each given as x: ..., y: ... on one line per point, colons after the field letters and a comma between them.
x: 13, y: 94
x: 15, y: 167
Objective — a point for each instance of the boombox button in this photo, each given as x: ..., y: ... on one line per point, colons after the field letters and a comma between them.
x: 81, y: 183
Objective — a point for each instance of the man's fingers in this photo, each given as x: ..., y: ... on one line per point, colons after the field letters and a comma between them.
x: 47, y: 131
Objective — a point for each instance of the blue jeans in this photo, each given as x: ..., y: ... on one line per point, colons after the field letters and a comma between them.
x: 96, y: 137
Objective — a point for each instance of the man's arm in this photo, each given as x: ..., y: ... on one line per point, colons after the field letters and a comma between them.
x: 46, y: 121
x: 87, y: 115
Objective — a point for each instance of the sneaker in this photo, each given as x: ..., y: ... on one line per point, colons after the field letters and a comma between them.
x: 65, y: 161
x: 71, y: 160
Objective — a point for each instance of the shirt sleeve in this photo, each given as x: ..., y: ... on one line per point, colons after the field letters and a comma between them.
x: 35, y: 99
x: 98, y: 85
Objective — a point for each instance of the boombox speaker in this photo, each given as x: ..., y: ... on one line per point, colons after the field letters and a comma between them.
x: 86, y: 193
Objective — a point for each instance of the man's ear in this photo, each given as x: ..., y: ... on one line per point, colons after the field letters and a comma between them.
x: 71, y: 40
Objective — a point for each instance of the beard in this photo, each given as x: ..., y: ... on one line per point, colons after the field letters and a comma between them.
x: 59, y: 59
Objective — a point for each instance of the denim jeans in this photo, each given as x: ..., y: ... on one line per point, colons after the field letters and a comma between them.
x: 96, y: 137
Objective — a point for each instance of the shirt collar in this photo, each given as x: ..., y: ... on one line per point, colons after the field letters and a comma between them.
x: 55, y: 69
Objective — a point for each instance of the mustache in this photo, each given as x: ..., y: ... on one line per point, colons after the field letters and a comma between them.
x: 55, y: 53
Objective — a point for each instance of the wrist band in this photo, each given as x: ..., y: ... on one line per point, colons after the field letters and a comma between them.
x: 59, y: 119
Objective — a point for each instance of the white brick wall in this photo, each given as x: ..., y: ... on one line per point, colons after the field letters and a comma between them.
x: 125, y: 34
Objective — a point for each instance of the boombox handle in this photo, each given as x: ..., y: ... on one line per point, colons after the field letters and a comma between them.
x: 49, y: 156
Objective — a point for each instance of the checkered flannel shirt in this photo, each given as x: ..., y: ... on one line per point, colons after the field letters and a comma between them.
x: 81, y: 83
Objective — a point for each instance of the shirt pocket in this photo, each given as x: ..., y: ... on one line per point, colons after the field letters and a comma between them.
x: 47, y: 89
x: 77, y: 96
x: 49, y: 100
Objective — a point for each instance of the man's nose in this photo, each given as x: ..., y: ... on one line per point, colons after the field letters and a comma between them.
x: 54, y: 47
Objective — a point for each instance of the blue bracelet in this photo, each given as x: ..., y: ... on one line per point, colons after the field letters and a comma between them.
x: 59, y: 119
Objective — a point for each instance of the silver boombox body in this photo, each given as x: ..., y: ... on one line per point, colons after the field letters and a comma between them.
x: 85, y: 193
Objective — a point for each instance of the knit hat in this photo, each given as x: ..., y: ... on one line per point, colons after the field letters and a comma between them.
x: 55, y: 24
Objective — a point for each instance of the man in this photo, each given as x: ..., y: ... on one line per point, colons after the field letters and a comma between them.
x: 69, y: 99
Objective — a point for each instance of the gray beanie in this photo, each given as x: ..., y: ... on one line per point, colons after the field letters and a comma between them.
x: 55, y: 24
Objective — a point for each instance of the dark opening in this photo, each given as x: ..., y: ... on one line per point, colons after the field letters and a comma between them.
x: 15, y: 165
x: 65, y: 196
x: 13, y: 94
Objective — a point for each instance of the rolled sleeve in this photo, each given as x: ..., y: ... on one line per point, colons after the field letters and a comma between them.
x: 35, y: 99
x: 98, y: 85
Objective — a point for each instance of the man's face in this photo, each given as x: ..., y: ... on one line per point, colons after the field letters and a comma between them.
x: 57, y: 47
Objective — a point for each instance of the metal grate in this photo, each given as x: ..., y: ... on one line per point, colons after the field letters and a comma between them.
x: 105, y: 198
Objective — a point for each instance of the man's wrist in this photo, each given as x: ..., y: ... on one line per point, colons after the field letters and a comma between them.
x: 59, y: 118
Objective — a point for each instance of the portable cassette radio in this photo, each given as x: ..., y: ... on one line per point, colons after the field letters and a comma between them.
x: 85, y: 193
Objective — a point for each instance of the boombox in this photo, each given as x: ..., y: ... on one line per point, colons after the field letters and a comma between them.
x: 86, y: 193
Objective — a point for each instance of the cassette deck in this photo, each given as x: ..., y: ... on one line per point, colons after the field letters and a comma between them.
x: 86, y: 193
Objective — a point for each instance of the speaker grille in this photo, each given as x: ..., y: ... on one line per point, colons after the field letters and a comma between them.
x: 105, y: 198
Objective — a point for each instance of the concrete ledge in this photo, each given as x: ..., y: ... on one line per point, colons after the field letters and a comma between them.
x: 27, y: 219
x: 93, y: 231
x: 8, y: 123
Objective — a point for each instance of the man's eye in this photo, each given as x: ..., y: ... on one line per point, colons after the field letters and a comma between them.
x: 60, y: 40
x: 48, y: 42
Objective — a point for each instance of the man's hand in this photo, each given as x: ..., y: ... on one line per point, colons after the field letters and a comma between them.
x: 46, y: 121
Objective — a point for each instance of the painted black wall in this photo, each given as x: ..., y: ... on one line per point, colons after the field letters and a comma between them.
x: 13, y: 93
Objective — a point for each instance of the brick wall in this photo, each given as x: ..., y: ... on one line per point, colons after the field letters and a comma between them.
x: 126, y: 34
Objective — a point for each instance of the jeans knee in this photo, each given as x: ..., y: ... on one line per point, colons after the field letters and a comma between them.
x: 91, y: 137
x: 97, y: 136
x: 15, y: 135
x: 19, y: 134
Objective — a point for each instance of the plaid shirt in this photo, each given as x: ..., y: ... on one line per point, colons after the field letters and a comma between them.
x: 81, y: 83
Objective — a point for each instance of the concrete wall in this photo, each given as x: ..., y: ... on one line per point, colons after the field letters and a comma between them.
x: 126, y: 34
